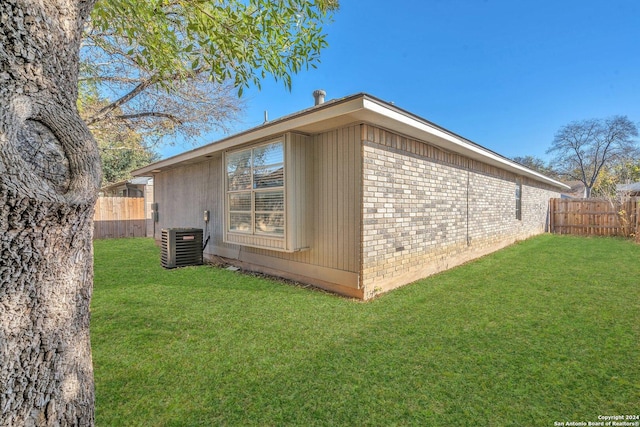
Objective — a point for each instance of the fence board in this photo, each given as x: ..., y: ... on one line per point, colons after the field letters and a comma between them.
x: 595, y: 217
x: 637, y: 222
x: 119, y: 217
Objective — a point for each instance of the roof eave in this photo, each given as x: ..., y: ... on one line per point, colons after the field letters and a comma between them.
x: 419, y: 128
x: 300, y: 121
x: 356, y: 108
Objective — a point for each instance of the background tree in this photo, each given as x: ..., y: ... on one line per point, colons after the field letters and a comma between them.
x: 50, y: 167
x: 611, y: 176
x: 161, y: 111
x: 119, y: 159
x: 627, y: 171
x: 167, y: 70
x: 171, y: 67
x: 232, y: 40
x: 122, y: 147
x: 537, y: 164
x: 583, y: 148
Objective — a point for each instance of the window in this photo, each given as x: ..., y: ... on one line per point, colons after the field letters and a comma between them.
x: 255, y: 190
x: 518, y: 199
x: 267, y: 194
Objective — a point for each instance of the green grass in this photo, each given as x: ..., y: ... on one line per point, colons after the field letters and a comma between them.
x: 546, y: 330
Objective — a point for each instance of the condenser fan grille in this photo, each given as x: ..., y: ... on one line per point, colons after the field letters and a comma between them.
x: 181, y: 247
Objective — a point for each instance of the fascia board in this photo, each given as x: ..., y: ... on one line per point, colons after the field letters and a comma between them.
x: 360, y: 107
x: 299, y: 121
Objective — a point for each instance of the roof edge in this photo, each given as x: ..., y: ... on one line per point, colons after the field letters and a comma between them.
x: 363, y: 106
x: 469, y: 147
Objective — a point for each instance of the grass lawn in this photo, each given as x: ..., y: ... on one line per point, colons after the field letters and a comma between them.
x: 547, y: 330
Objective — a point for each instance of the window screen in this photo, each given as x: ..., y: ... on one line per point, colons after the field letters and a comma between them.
x: 255, y: 190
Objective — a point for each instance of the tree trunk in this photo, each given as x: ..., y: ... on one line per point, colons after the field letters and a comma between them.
x: 49, y: 176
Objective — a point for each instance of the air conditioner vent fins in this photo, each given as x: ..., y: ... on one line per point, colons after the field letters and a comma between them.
x: 181, y: 247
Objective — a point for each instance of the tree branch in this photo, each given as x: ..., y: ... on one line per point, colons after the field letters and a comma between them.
x: 114, y: 79
x: 150, y: 114
x: 124, y: 99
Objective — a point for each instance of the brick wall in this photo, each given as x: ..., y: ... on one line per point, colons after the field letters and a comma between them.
x: 426, y: 210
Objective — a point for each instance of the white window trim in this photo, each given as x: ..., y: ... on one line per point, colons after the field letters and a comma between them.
x: 264, y: 240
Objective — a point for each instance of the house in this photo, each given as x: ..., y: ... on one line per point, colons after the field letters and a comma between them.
x: 629, y: 190
x: 134, y: 187
x: 576, y: 190
x: 353, y: 195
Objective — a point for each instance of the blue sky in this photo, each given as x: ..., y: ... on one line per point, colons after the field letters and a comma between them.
x: 506, y: 74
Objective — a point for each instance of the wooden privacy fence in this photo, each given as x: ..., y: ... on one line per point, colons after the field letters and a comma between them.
x: 119, y: 217
x: 595, y: 217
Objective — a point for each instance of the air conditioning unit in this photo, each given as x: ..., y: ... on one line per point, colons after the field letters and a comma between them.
x: 181, y: 247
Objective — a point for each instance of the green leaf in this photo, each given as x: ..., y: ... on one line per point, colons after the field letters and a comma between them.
x: 275, y: 37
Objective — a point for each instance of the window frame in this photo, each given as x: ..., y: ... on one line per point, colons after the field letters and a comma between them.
x: 518, y: 196
x: 253, y: 189
x: 297, y: 166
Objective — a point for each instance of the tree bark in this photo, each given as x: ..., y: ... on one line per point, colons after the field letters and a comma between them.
x: 49, y: 177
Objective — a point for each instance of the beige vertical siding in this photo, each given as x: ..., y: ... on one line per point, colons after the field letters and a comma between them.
x: 148, y: 210
x: 299, y: 186
x: 332, y: 201
x: 326, y: 195
x: 184, y: 193
x: 337, y: 193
